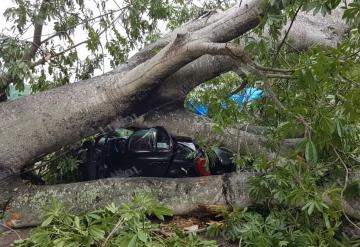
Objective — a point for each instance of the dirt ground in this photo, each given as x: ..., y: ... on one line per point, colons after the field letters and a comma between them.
x: 9, y: 237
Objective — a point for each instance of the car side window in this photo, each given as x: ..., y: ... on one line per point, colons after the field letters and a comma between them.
x: 183, y: 151
x: 162, y: 141
x: 143, y: 140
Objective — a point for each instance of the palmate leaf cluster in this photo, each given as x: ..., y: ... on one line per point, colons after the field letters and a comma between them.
x: 129, y: 225
x: 279, y: 227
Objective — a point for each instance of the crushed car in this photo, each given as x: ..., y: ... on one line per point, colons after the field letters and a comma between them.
x: 150, y: 152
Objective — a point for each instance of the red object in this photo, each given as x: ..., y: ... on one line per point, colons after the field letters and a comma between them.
x: 201, y: 167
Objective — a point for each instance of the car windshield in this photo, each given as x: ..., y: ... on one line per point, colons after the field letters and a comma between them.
x: 143, y: 140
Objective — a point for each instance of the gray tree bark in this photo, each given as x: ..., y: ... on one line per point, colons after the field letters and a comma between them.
x: 183, y: 195
x: 183, y: 123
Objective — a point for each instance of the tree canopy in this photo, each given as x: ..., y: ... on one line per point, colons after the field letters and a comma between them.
x: 110, y: 30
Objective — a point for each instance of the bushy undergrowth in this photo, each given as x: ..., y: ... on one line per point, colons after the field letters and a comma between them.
x: 128, y: 225
x: 279, y: 227
x: 136, y: 224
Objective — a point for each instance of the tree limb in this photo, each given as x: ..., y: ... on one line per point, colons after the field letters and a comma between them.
x: 38, y: 27
x: 183, y: 195
x: 83, y: 22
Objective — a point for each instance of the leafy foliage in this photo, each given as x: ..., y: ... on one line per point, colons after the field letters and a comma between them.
x: 110, y: 30
x: 63, y: 170
x: 299, y: 191
x: 280, y: 227
x: 61, y: 166
x: 127, y: 225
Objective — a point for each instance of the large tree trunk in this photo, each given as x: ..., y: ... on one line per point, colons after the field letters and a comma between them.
x: 183, y: 195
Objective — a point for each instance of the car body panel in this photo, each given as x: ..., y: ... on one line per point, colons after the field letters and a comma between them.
x: 150, y: 152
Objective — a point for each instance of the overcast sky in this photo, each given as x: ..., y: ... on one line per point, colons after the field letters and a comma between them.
x: 3, y: 6
x: 48, y: 29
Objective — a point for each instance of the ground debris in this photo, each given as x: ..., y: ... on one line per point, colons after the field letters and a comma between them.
x: 194, y: 224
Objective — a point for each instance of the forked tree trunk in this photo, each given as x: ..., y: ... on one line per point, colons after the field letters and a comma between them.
x: 39, y: 124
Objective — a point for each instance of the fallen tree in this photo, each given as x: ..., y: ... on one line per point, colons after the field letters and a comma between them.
x: 131, y: 89
x: 191, y: 55
x: 101, y: 99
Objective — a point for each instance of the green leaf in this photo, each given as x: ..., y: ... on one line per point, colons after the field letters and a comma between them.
x: 132, y: 242
x: 327, y: 221
x: 94, y: 216
x: 96, y: 232
x: 77, y: 222
x: 142, y: 236
x: 311, y: 208
x: 48, y: 221
x: 160, y: 212
x: 310, y: 152
x: 60, y: 242
x: 283, y: 243
x: 339, y: 128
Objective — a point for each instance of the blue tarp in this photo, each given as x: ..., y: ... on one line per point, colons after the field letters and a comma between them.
x: 14, y: 94
x: 249, y: 94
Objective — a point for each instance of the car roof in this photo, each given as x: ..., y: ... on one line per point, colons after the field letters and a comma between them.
x: 183, y: 138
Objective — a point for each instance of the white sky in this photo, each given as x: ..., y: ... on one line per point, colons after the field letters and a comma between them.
x: 48, y: 30
x: 80, y: 35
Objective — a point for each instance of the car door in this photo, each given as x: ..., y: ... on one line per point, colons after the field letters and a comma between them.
x: 183, y: 163
x: 149, y: 152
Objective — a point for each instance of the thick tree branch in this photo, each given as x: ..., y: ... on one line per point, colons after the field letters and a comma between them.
x: 36, y: 42
x: 280, y: 76
x: 190, y: 193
